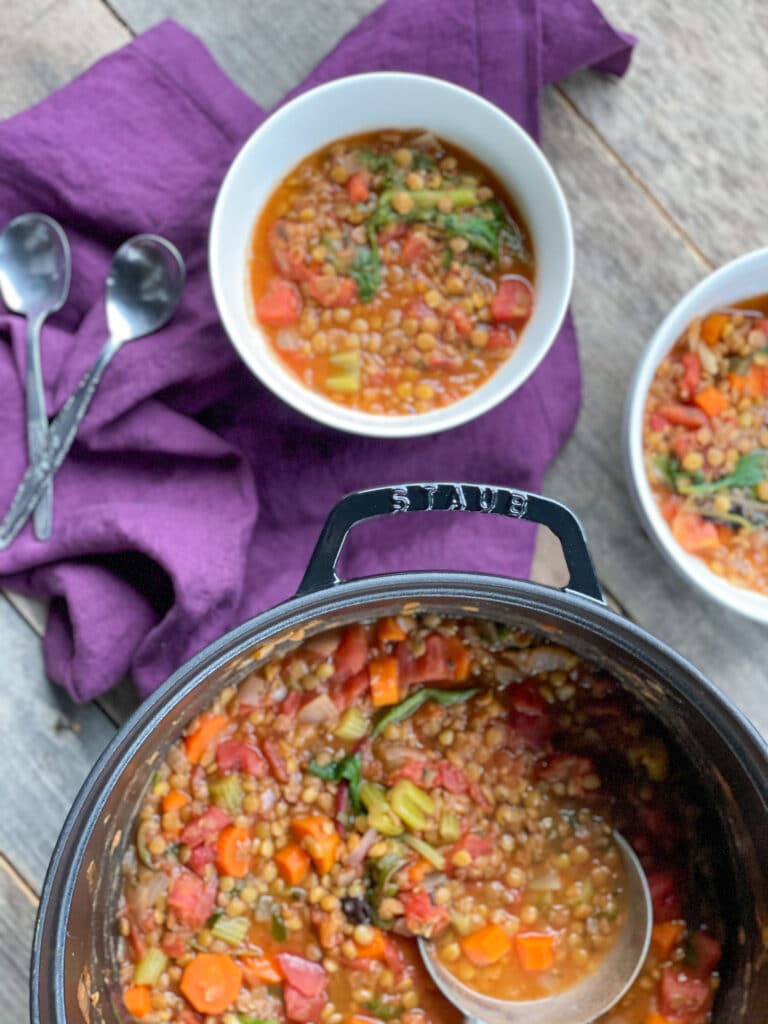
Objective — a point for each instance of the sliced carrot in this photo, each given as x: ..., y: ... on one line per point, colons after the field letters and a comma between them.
x: 200, y: 740
x: 376, y: 949
x: 670, y: 506
x: 211, y: 982
x: 694, y: 534
x: 389, y: 631
x: 683, y: 415
x: 320, y: 841
x: 712, y: 401
x: 138, y: 1001
x: 233, y: 852
x: 418, y: 871
x: 385, y: 681
x: 712, y: 328
x: 458, y: 655
x: 757, y: 380
x: 535, y: 950
x: 665, y: 937
x: 174, y: 800
x: 487, y: 945
x: 655, y: 1018
x: 292, y: 863
x: 261, y: 970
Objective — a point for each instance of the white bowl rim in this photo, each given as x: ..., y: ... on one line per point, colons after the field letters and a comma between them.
x: 446, y: 417
x: 693, y: 303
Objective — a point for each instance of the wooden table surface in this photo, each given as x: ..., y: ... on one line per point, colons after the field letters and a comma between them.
x: 665, y: 174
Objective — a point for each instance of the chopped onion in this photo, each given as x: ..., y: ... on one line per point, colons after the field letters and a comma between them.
x: 550, y: 881
x: 360, y: 852
x: 321, y: 709
x: 288, y: 340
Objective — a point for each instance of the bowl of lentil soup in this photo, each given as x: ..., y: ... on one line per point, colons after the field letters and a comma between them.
x: 697, y: 436
x: 271, y: 830
x: 391, y: 254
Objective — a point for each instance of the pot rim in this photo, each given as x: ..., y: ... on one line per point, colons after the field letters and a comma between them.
x: 748, y: 746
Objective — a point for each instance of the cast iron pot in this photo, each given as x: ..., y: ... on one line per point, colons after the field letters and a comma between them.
x: 72, y: 978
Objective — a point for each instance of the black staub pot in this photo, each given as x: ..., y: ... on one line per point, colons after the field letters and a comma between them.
x: 72, y: 974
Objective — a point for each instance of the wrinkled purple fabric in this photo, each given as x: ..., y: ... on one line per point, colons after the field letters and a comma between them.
x: 193, y: 497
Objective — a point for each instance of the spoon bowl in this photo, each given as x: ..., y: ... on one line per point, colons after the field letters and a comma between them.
x: 35, y: 269
x: 582, y: 1002
x: 144, y: 287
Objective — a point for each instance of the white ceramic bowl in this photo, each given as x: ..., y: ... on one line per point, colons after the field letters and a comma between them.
x: 740, y: 279
x: 365, y: 103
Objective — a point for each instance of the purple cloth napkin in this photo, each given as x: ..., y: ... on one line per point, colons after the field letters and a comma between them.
x: 193, y: 497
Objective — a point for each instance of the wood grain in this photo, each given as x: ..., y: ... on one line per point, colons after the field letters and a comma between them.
x: 49, y: 745
x: 689, y: 118
x: 17, y: 920
x: 267, y: 47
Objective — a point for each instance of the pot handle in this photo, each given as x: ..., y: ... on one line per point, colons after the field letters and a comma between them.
x: 447, y: 497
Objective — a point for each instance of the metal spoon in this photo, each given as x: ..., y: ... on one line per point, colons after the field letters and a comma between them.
x: 35, y: 270
x: 580, y: 1003
x: 144, y: 288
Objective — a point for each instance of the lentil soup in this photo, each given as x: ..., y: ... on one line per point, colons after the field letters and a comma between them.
x: 392, y: 273
x: 416, y: 776
x: 705, y: 439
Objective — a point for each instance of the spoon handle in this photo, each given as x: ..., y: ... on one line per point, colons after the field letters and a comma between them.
x: 37, y: 424
x: 61, y: 435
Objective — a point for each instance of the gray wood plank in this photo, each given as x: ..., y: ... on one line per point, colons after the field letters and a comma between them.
x: 17, y: 921
x: 49, y: 744
x: 45, y: 44
x: 630, y: 268
x: 689, y: 118
x: 267, y: 46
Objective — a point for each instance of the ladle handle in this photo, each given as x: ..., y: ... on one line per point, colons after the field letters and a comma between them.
x: 451, y: 497
x: 59, y: 440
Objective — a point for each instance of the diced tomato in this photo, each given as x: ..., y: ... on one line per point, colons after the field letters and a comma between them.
x: 416, y: 247
x: 188, y: 1016
x: 452, y: 778
x: 305, y: 976
x: 393, y: 958
x: 420, y: 910
x: 413, y: 771
x: 205, y: 827
x: 682, y: 444
x: 332, y: 290
x: 461, y: 320
x: 432, y: 666
x: 665, y: 886
x: 302, y: 1008
x: 174, y: 944
x: 281, y: 304
x: 658, y: 422
x: 694, y: 534
x: 690, y: 379
x: 288, y: 247
x: 566, y: 768
x: 293, y: 703
x: 391, y: 232
x: 707, y: 951
x: 688, y: 416
x: 476, y: 846
x: 276, y: 760
x: 683, y: 998
x: 358, y: 187
x: 351, y: 654
x: 529, y: 716
x: 235, y: 756
x: 201, y: 856
x: 442, y: 359
x: 191, y: 899
x: 513, y: 300
x: 501, y: 338
x: 347, y: 693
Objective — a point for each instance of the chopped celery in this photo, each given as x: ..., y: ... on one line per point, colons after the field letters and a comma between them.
x: 279, y: 931
x: 450, y: 828
x: 428, y: 852
x: 353, y: 725
x: 344, y: 382
x: 427, y: 199
x: 372, y: 795
x: 348, y: 362
x: 411, y: 804
x: 384, y: 820
x: 230, y: 929
x: 150, y: 967
x: 227, y: 793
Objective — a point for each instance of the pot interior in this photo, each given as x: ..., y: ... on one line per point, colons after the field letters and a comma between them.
x: 74, y: 948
